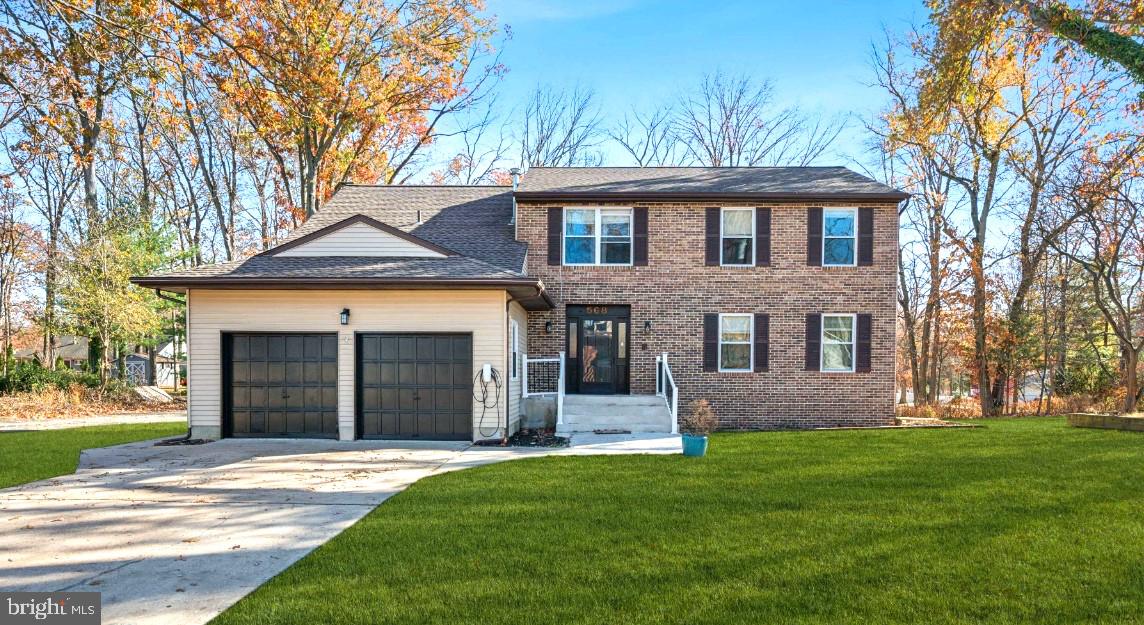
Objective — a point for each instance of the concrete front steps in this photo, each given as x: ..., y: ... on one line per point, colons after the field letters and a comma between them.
x: 622, y: 413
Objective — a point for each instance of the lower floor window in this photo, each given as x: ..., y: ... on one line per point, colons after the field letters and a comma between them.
x: 838, y: 342
x: 735, y: 342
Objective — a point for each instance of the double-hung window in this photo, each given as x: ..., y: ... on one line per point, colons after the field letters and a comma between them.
x: 514, y: 348
x: 839, y: 236
x: 838, y: 334
x: 735, y: 340
x: 737, y: 236
x: 597, y: 236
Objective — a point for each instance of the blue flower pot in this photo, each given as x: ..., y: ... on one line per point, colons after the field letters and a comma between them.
x: 694, y: 445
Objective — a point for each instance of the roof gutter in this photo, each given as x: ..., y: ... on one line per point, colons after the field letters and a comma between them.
x: 160, y: 295
x: 174, y: 284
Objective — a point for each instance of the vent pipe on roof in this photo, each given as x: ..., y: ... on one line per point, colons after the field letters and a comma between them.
x: 515, y: 173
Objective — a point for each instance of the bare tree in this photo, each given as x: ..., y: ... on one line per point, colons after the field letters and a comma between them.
x: 478, y: 81
x: 13, y: 253
x: 50, y: 183
x: 734, y: 122
x: 560, y: 128
x: 925, y: 266
x: 483, y: 147
x: 649, y: 138
x: 1112, y: 256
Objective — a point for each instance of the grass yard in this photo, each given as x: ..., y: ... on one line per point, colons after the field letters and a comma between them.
x: 30, y: 456
x: 1022, y: 521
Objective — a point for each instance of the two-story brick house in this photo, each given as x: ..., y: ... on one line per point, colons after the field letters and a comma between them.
x: 771, y: 291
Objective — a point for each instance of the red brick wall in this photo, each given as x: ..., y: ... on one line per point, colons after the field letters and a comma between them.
x: 676, y: 289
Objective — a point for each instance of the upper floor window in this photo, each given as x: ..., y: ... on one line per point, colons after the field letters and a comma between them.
x: 737, y: 235
x: 838, y: 342
x: 597, y: 236
x: 839, y: 236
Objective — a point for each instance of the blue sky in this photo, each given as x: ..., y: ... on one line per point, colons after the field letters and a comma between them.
x: 639, y: 52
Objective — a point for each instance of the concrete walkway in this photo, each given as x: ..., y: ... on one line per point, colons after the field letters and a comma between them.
x: 175, y: 535
x: 79, y: 422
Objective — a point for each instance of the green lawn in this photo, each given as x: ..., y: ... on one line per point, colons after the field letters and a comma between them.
x: 30, y: 456
x: 1022, y: 521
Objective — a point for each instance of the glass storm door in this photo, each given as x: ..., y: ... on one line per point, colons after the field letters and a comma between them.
x: 597, y: 356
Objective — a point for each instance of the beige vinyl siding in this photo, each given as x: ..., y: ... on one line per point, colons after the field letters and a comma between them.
x: 360, y: 239
x: 212, y: 312
x: 518, y: 314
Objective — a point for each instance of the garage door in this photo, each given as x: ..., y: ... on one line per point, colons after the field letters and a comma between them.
x: 281, y: 384
x: 415, y: 386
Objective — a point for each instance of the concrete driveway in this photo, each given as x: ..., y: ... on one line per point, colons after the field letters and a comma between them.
x: 175, y: 535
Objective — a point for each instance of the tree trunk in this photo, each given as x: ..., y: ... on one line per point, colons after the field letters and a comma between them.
x: 1131, y: 383
x: 95, y: 358
x: 985, y: 393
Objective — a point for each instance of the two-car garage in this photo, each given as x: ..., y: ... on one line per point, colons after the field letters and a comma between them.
x: 406, y: 385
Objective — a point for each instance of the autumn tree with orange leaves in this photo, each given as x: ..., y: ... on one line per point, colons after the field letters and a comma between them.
x: 339, y: 90
x: 1020, y: 104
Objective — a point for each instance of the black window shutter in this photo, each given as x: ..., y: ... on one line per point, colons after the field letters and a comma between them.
x: 813, y: 341
x: 713, y: 245
x: 762, y: 342
x: 763, y: 237
x: 555, y: 234
x: 639, y: 236
x: 711, y: 342
x: 865, y: 333
x: 865, y: 237
x: 814, y: 236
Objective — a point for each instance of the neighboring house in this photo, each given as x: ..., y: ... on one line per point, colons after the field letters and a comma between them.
x: 74, y: 352
x: 770, y: 290
x: 71, y: 349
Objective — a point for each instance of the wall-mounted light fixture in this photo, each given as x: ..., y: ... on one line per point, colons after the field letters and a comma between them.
x: 647, y: 325
x: 344, y: 317
x: 548, y: 327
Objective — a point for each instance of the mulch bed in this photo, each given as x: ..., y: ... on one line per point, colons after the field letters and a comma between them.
x: 529, y: 438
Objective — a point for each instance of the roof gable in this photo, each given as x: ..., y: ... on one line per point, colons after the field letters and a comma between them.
x: 359, y: 236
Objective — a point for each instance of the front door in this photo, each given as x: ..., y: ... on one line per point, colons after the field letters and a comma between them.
x: 598, y: 349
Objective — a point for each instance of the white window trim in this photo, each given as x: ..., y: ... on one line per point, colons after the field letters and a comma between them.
x: 853, y: 210
x: 514, y: 349
x: 754, y: 244
x: 853, y: 342
x: 750, y: 343
x: 598, y: 236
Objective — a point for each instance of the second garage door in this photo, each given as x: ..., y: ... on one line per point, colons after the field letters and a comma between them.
x: 415, y: 386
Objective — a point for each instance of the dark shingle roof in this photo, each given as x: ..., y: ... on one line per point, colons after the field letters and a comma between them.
x: 472, y: 221
x: 761, y: 182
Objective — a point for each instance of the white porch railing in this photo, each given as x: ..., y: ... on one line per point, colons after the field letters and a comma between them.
x: 544, y: 376
x: 665, y: 387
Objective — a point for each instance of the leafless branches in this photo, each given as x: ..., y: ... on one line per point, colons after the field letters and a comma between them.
x: 650, y: 139
x: 560, y: 128
x: 734, y: 121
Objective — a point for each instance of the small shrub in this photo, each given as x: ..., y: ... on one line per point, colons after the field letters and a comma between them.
x: 700, y: 419
x: 30, y: 377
